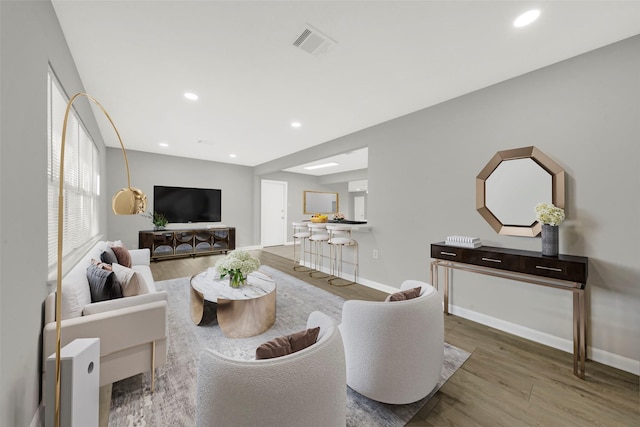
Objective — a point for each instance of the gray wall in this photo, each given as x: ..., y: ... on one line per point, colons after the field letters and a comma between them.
x: 584, y: 114
x: 30, y: 39
x: 148, y: 170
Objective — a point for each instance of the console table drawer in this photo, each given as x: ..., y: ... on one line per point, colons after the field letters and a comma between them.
x: 497, y: 260
x: 451, y: 253
x: 556, y: 269
x: 477, y: 256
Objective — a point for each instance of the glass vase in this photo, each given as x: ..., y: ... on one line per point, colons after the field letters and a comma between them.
x: 237, y: 280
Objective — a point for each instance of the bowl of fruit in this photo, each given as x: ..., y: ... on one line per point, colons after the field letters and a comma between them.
x: 319, y: 218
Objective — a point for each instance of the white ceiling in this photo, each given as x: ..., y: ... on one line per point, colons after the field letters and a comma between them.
x: 345, y: 162
x: 391, y: 58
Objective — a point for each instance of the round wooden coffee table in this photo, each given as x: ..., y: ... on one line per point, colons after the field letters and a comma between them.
x: 240, y: 312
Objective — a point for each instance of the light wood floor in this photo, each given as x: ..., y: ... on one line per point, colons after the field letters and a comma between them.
x: 507, y: 380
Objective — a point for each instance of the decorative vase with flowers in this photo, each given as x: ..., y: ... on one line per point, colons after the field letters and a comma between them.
x: 550, y: 217
x: 237, y: 265
x: 338, y: 216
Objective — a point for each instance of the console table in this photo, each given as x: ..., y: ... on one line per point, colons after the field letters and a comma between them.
x: 187, y: 242
x: 566, y: 272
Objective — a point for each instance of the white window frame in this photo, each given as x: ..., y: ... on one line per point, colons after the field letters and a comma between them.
x: 81, y: 176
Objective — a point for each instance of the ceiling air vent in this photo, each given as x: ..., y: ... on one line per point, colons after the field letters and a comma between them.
x: 314, y: 41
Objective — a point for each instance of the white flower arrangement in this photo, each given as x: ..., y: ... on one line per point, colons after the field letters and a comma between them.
x: 238, y: 264
x: 549, y: 214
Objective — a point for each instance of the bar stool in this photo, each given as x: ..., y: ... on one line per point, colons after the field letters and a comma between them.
x: 300, y: 234
x: 319, y: 235
x: 340, y: 237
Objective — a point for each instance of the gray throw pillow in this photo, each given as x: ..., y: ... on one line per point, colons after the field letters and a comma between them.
x: 108, y: 256
x: 103, y: 284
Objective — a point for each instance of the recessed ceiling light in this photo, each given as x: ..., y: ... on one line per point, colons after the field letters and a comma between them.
x: 324, y: 165
x: 233, y: 156
x: 163, y: 144
x: 190, y: 95
x: 526, y: 18
x: 296, y: 124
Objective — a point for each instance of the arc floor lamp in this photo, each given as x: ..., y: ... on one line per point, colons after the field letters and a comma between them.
x: 127, y: 201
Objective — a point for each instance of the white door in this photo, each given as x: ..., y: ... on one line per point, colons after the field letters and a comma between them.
x: 273, y: 207
x: 358, y: 208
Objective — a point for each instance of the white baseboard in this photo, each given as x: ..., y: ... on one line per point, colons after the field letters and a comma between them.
x: 614, y: 360
x: 595, y: 354
x: 379, y: 286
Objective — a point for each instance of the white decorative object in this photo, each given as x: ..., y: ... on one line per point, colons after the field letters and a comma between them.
x: 79, y: 381
x: 463, y: 241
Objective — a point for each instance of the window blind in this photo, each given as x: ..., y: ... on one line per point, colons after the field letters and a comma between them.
x: 81, y: 177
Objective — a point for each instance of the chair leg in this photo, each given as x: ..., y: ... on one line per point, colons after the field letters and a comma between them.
x: 153, y: 366
x: 337, y: 266
x: 317, y: 265
x: 296, y: 262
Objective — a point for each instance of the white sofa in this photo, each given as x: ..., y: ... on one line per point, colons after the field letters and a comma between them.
x: 132, y: 330
x: 305, y: 388
x: 394, y: 350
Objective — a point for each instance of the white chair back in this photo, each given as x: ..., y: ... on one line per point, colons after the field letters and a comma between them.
x: 306, y: 388
x: 394, y: 350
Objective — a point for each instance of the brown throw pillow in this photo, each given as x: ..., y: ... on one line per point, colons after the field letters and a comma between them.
x: 281, y: 346
x: 276, y: 347
x: 122, y: 255
x: 303, y: 339
x: 405, y: 295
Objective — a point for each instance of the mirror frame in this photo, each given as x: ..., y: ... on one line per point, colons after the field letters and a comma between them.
x: 304, y: 200
x: 545, y: 162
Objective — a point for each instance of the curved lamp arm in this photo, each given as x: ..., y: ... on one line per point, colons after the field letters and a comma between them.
x: 127, y: 201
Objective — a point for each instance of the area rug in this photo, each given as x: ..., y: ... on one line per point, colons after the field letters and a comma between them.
x: 174, y: 401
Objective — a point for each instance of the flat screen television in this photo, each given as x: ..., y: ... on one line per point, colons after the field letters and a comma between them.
x: 182, y: 204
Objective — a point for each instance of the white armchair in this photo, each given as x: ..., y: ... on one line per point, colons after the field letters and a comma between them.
x: 394, y: 350
x: 307, y: 387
